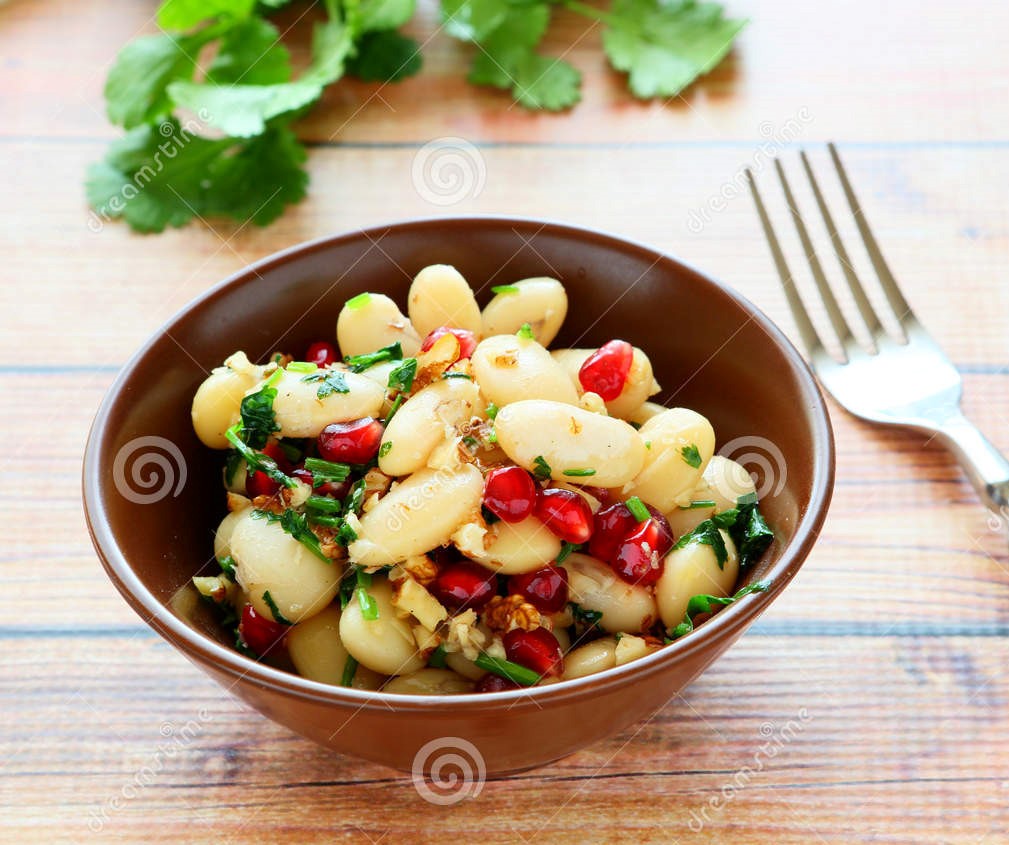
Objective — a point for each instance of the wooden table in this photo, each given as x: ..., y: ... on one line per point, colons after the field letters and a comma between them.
x: 878, y: 678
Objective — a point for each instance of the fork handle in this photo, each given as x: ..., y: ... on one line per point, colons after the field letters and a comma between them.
x: 986, y: 467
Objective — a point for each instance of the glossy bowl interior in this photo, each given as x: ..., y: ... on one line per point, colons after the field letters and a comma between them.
x: 711, y: 349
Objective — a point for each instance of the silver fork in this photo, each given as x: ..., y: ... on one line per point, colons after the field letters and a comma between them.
x: 905, y: 381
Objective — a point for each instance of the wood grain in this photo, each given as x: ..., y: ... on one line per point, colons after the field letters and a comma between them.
x: 877, y: 678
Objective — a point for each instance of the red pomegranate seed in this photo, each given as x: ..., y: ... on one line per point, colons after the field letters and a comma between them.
x: 546, y: 589
x: 321, y: 353
x: 259, y: 483
x: 259, y: 632
x: 565, y: 513
x: 640, y: 558
x: 612, y: 524
x: 495, y: 683
x: 509, y: 493
x: 464, y: 584
x: 354, y: 442
x: 603, y: 494
x: 537, y: 649
x: 467, y: 340
x: 605, y: 370
x: 336, y: 489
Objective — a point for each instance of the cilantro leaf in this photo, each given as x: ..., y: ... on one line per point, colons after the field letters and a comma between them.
x: 251, y: 53
x: 360, y: 363
x: 507, y: 43
x: 473, y: 20
x: 330, y: 382
x: 402, y: 377
x: 706, y: 604
x: 243, y: 110
x: 541, y: 469
x: 385, y: 57
x: 708, y: 533
x: 664, y: 46
x: 543, y: 82
x: 185, y: 14
x: 384, y: 14
x: 691, y: 455
x: 295, y: 524
x: 258, y: 419
x: 274, y: 610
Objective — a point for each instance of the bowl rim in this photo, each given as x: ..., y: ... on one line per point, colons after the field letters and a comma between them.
x: 724, y: 626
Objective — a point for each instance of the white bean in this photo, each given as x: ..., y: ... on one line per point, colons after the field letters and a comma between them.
x: 590, y: 658
x: 512, y: 548
x: 267, y: 559
x: 420, y: 514
x: 429, y: 682
x: 301, y: 413
x: 631, y: 648
x: 318, y: 652
x: 723, y: 483
x: 429, y: 417
x: 440, y: 296
x: 670, y: 474
x: 640, y: 383
x: 217, y: 403
x: 385, y: 644
x: 541, y: 302
x: 222, y: 538
x: 372, y: 321
x: 625, y: 608
x: 645, y: 412
x: 570, y: 439
x: 693, y: 570
x: 509, y: 368
x: 459, y: 662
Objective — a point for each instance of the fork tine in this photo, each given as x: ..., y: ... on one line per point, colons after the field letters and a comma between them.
x: 901, y: 309
x: 854, y: 285
x: 823, y: 286
x: 806, y: 329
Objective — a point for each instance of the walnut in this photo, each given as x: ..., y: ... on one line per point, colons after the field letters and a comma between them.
x: 421, y: 568
x: 327, y: 542
x: 464, y: 635
x: 237, y: 502
x: 376, y: 482
x: 272, y: 503
x: 505, y: 613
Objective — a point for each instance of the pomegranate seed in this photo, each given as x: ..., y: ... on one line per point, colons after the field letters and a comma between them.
x: 612, y: 524
x: 464, y: 584
x: 321, y: 353
x: 259, y: 632
x: 603, y: 494
x: 605, y: 370
x: 258, y: 483
x: 336, y: 489
x: 640, y: 558
x: 354, y: 442
x: 546, y: 589
x: 510, y: 493
x: 537, y: 649
x: 495, y: 683
x: 565, y: 513
x: 467, y: 340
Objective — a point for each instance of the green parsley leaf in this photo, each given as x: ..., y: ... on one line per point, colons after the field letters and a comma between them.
x: 231, y: 464
x: 506, y: 669
x: 708, y: 533
x: 503, y: 289
x: 706, y: 604
x: 665, y: 46
x: 355, y: 498
x: 637, y: 508
x: 526, y: 331
x: 295, y: 524
x: 385, y: 56
x: 579, y: 473
x: 586, y: 618
x: 402, y: 377
x: 349, y: 670
x: 385, y: 449
x: 691, y: 456
x: 277, y: 615
x: 258, y: 419
x: 243, y: 110
x: 541, y: 469
x: 360, y: 363
x: 330, y: 382
x: 185, y: 14
x: 251, y: 54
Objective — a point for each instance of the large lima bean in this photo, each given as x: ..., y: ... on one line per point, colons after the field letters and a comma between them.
x: 440, y: 296
x: 639, y: 386
x: 429, y: 682
x: 217, y: 403
x: 691, y: 571
x: 592, y: 584
x: 301, y: 413
x: 591, y: 658
x: 569, y: 438
x: 510, y: 368
x: 371, y: 322
x: 318, y: 652
x: 517, y: 547
x: 384, y: 644
x: 540, y: 302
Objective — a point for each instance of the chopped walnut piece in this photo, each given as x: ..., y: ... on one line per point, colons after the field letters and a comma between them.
x: 327, y: 542
x: 505, y: 613
x: 435, y: 361
x: 376, y: 482
x: 272, y: 503
x: 237, y: 502
x: 464, y: 635
x: 421, y: 568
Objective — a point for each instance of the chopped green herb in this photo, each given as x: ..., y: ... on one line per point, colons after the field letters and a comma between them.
x: 637, y: 509
x: 327, y: 521
x: 326, y: 471
x: 471, y: 442
x: 402, y: 377
x: 359, y: 301
x: 526, y: 331
x: 385, y: 449
x: 492, y: 435
x: 256, y: 461
x: 746, y: 526
x: 354, y: 501
x: 277, y: 615
x: 507, y: 669
x: 488, y: 515
x: 295, y: 524
x: 588, y: 618
x: 393, y: 408
x: 302, y: 367
x: 648, y: 444
x: 697, y: 504
x: 323, y: 504
x: 691, y: 456
x: 704, y: 604
x: 566, y: 549
x: 350, y: 666
x: 492, y: 410
x: 330, y: 382
x: 292, y: 451
x: 505, y: 289
x: 231, y: 465
x: 258, y: 419
x: 707, y: 533
x: 347, y: 586
x: 437, y: 658
x: 227, y: 565
x: 360, y: 363
x: 457, y: 375
x: 541, y: 469
x: 366, y: 601
x: 635, y: 425
x: 345, y: 535
x: 579, y: 473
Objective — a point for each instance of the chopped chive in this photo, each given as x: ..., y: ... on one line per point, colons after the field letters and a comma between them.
x: 579, y: 473
x: 350, y: 667
x: 697, y: 504
x: 492, y: 435
x: 277, y: 615
x: 505, y: 289
x: 275, y: 376
x: 457, y: 375
x: 566, y: 549
x: 354, y: 501
x: 637, y: 509
x: 385, y: 448
x: 648, y: 444
x: 492, y: 410
x: 327, y: 521
x: 325, y: 471
x: 369, y: 607
x: 471, y: 442
x: 302, y: 367
x: 437, y: 658
x: 393, y: 408
x: 507, y: 669
x: 257, y: 461
x: 359, y: 301
x: 541, y: 469
x: 324, y: 504
x: 526, y: 331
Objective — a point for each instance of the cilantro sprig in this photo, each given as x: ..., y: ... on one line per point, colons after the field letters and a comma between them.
x: 256, y: 461
x: 706, y: 604
x: 744, y: 523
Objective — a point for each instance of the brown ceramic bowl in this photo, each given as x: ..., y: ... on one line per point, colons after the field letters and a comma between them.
x: 712, y: 351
